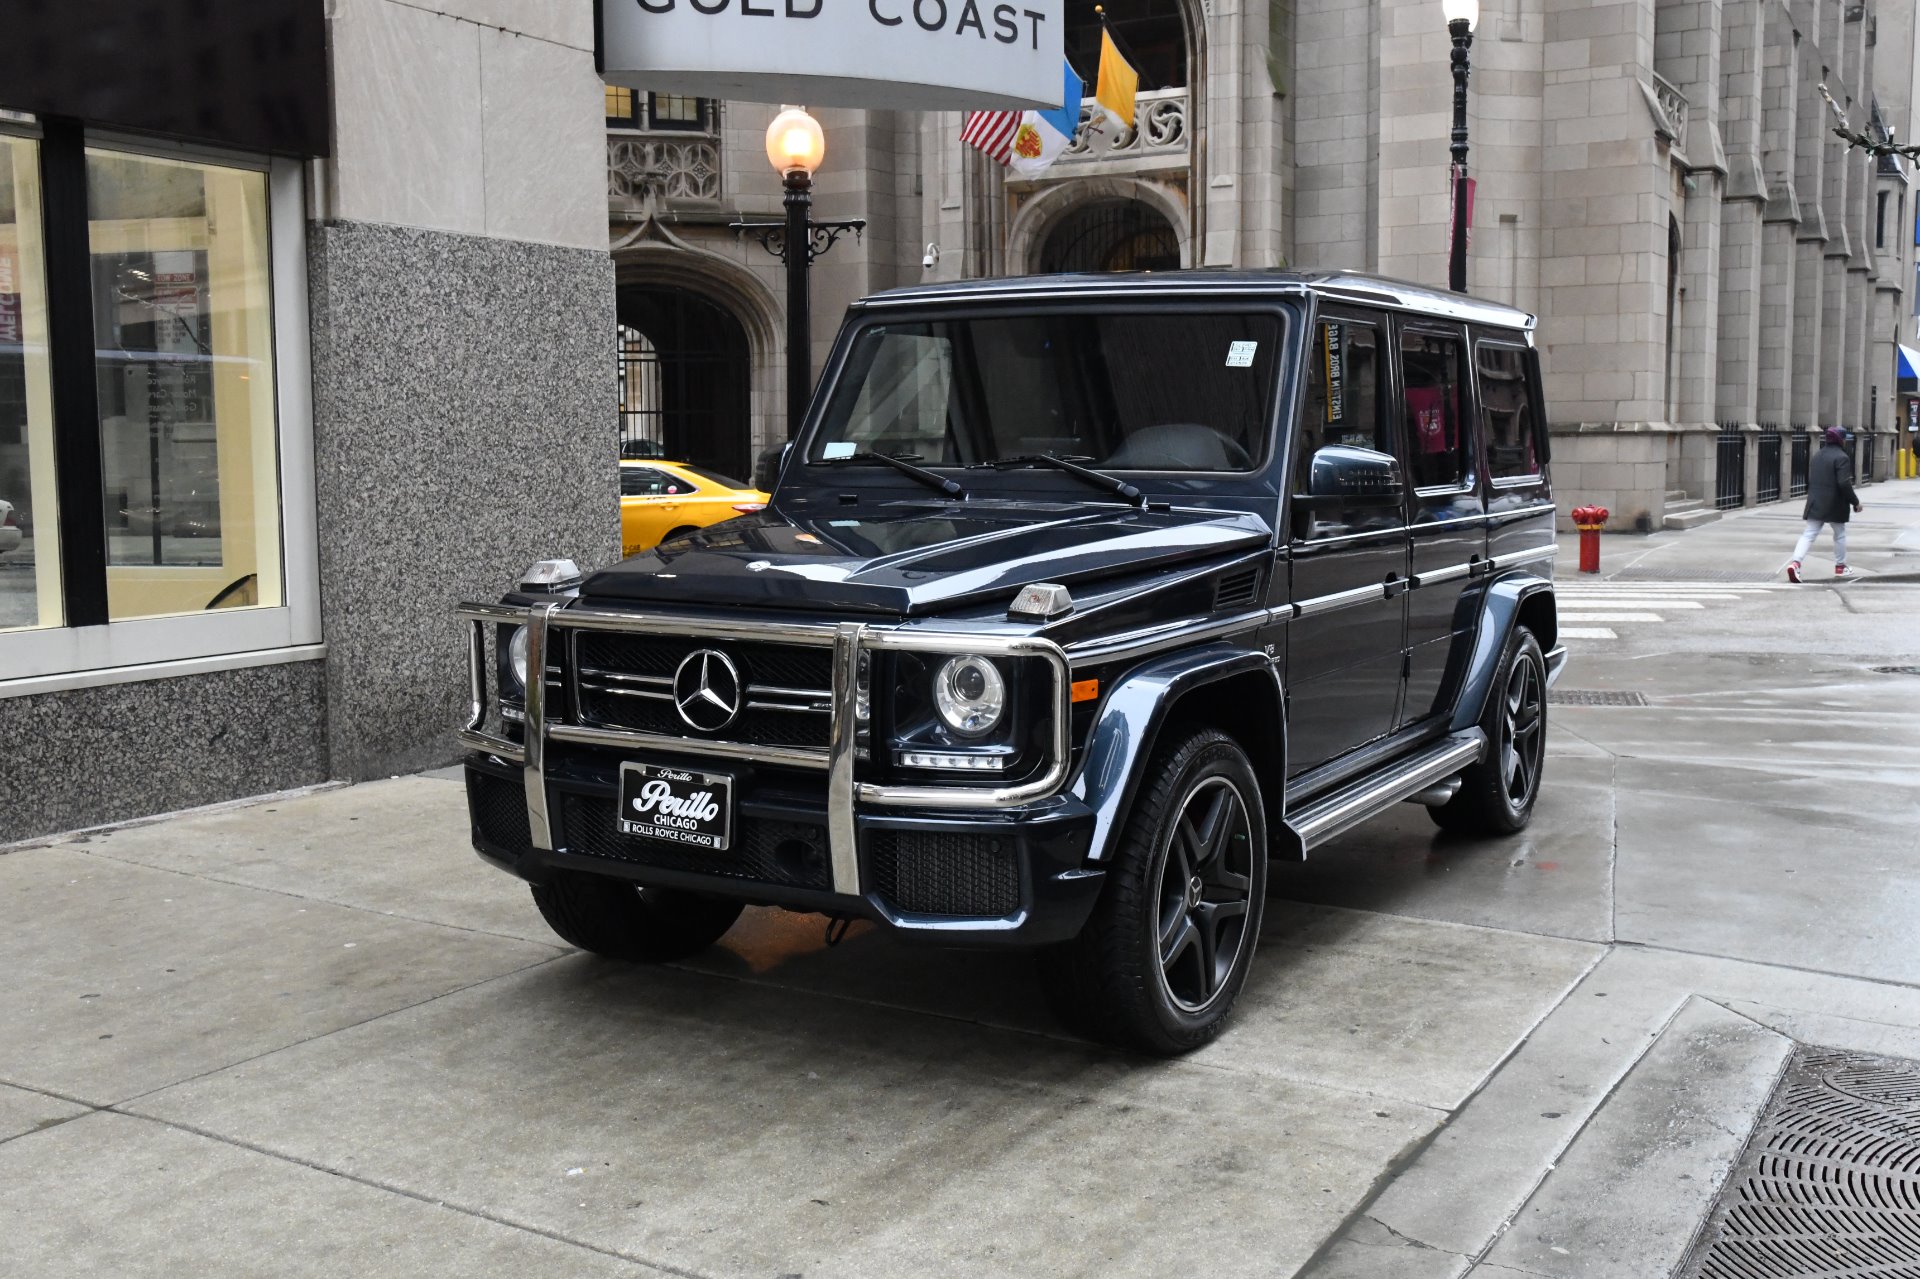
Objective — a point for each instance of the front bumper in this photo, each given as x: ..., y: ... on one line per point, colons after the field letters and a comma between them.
x: 1010, y: 878
x: 966, y: 865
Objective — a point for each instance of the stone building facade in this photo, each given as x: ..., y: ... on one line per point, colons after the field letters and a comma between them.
x: 1717, y: 275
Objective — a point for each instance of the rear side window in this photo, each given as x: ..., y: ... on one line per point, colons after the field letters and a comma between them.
x: 640, y: 481
x: 1506, y: 412
x: 1438, y: 446
x: 644, y: 481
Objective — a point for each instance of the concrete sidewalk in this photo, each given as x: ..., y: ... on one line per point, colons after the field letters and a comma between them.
x: 314, y: 1035
x: 1754, y: 544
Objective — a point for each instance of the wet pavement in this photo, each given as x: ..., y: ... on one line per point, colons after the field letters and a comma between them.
x: 314, y: 1035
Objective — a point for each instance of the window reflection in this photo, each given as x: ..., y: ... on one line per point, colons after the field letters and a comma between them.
x: 184, y: 364
x: 29, y: 564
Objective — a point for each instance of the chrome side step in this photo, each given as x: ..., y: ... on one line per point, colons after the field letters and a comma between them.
x: 1341, y: 811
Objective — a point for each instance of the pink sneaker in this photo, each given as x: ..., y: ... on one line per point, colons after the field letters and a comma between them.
x: 1842, y: 571
x: 1793, y: 571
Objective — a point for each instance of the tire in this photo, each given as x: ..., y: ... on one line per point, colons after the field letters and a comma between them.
x: 621, y: 920
x: 1497, y: 795
x: 1159, y: 973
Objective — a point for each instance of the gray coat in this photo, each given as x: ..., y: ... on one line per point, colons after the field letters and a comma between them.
x: 1830, y: 496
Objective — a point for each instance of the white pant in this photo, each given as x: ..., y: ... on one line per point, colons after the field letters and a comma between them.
x: 1813, y: 531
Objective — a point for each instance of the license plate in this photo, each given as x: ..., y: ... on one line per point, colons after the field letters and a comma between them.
x: 677, y: 805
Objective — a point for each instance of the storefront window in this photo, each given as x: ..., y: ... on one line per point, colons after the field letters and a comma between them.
x: 29, y: 563
x: 184, y: 364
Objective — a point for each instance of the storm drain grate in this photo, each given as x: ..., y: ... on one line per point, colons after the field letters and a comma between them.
x: 1896, y: 670
x: 1829, y: 1184
x: 1595, y: 697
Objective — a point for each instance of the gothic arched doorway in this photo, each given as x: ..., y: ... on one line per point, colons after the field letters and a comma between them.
x: 1112, y: 235
x: 685, y: 375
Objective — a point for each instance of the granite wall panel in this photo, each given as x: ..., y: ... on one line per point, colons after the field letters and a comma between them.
x: 464, y: 426
x: 120, y: 751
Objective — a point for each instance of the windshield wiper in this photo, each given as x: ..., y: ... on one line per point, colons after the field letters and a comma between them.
x: 1099, y: 479
x: 904, y: 466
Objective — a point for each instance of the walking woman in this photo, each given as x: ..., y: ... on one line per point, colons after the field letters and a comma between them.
x: 1830, y: 499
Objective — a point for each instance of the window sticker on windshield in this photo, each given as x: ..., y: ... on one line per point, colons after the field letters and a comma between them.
x: 839, y: 448
x: 1240, y: 354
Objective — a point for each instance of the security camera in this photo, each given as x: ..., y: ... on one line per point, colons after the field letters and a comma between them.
x: 931, y: 258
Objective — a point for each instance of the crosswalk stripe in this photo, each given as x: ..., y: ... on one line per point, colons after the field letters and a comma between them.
x: 1624, y: 602
x: 1651, y: 595
x: 1586, y: 632
x: 1611, y: 617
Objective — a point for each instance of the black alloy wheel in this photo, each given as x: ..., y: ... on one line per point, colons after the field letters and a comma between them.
x: 1497, y: 795
x: 1523, y: 739
x: 1170, y: 942
x: 1204, y: 894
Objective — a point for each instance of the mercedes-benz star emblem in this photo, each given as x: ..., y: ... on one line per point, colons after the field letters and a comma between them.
x: 706, y: 690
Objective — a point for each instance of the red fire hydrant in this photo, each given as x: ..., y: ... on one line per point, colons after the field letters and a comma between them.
x: 1589, y: 520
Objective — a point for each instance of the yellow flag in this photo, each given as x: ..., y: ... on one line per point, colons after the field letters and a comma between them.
x: 1118, y: 84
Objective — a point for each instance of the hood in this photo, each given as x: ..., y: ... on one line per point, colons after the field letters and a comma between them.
x: 913, y: 557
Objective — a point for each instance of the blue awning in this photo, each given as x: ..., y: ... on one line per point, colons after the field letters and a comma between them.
x: 1909, y: 363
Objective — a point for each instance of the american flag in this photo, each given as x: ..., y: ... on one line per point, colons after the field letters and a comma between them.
x: 992, y: 132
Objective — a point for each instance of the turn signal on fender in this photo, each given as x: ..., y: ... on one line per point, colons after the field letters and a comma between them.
x: 1086, y: 690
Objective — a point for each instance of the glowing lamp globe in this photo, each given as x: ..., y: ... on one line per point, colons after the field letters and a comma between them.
x: 795, y: 143
x: 1467, y: 11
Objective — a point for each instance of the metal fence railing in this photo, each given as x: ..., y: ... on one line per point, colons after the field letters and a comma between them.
x: 1802, y: 455
x: 1730, y: 471
x: 1767, y: 481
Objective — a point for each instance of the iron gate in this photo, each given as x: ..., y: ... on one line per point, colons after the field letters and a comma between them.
x: 684, y: 379
x: 1868, y: 449
x: 1768, y: 480
x: 1112, y: 235
x: 1802, y: 454
x: 1730, y: 471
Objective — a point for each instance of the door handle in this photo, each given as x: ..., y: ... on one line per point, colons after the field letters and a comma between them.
x: 1479, y: 567
x: 1397, y: 585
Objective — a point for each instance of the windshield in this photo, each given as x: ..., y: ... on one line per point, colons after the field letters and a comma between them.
x: 1155, y: 391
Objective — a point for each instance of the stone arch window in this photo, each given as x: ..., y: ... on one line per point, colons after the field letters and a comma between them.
x: 1112, y: 235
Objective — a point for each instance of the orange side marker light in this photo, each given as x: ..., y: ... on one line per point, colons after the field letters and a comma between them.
x: 1086, y: 690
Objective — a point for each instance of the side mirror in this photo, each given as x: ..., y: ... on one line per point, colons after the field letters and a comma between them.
x: 1342, y: 475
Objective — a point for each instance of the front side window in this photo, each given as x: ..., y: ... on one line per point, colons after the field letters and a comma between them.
x: 1344, y: 395
x: 29, y: 523
x: 641, y: 481
x: 1159, y: 391
x: 1439, y: 447
x: 1506, y: 413
x: 183, y: 354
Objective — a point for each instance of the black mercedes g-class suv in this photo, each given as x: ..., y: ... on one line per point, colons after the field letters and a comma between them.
x: 1078, y: 599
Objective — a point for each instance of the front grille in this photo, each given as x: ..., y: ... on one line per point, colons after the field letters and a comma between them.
x: 499, y: 811
x: 945, y: 874
x: 766, y: 850
x: 626, y: 681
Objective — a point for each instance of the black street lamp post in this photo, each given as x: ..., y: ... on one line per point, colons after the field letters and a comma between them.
x: 796, y: 145
x: 1462, y: 16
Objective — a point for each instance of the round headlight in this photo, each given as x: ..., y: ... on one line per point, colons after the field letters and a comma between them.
x: 517, y: 655
x: 970, y: 695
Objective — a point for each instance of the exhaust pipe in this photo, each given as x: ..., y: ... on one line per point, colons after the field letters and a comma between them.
x: 1437, y: 794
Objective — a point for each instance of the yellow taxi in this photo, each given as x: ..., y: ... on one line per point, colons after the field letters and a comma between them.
x: 661, y: 499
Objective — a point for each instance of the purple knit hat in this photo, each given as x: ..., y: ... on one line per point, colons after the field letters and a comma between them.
x: 1836, y: 435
